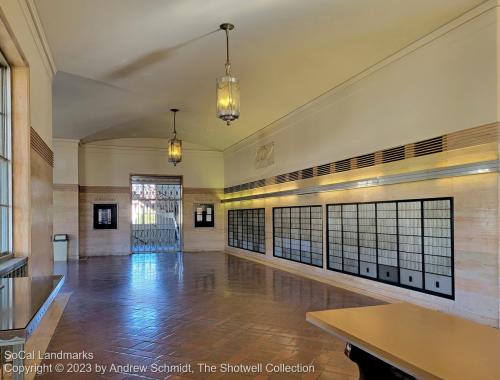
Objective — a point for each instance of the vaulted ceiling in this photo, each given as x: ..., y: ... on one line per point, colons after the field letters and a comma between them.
x: 123, y: 63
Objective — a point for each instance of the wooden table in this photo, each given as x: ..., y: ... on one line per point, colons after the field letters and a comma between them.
x: 423, y: 343
x: 23, y: 303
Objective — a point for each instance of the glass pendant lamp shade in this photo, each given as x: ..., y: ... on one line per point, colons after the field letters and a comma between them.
x: 228, y: 88
x: 175, y: 151
x: 228, y: 98
x: 174, y: 145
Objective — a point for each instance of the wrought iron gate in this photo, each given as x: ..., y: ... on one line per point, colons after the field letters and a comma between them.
x: 156, y: 214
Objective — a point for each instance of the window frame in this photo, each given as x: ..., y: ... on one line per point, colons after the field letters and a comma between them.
x: 5, y: 114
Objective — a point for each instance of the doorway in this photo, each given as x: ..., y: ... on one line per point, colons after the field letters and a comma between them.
x: 156, y: 213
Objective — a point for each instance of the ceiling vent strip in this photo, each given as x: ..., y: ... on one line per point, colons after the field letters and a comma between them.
x: 393, y: 154
x: 475, y: 136
x: 307, y: 173
x: 324, y: 169
x: 430, y: 146
x: 365, y: 161
x: 342, y: 166
x: 294, y: 176
x: 281, y: 178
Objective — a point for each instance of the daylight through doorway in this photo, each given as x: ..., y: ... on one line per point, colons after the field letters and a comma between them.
x: 156, y: 213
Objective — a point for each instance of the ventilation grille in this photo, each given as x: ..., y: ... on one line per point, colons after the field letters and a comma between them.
x: 366, y: 160
x: 260, y: 183
x: 39, y: 146
x: 457, y: 140
x: 342, y: 166
x: 308, y: 173
x: 281, y: 178
x: 393, y: 154
x: 324, y: 169
x: 430, y: 146
x: 294, y: 176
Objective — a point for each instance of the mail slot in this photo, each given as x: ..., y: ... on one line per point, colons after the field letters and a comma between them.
x: 411, y: 278
x: 439, y: 284
x: 368, y: 269
x: 388, y: 273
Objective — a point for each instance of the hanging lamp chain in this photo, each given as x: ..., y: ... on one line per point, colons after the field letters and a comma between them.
x: 174, y: 111
x: 175, y: 131
x: 228, y: 64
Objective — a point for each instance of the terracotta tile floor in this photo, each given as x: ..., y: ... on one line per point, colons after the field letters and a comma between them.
x: 152, y: 309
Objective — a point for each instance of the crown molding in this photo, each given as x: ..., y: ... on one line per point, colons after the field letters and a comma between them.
x: 323, y: 100
x: 36, y: 28
x: 9, y: 45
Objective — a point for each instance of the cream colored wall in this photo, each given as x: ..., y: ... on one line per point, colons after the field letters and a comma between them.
x: 19, y: 19
x: 445, y: 82
x: 104, y: 176
x: 104, y: 242
x: 204, y: 238
x: 66, y: 215
x: 41, y: 257
x: 66, y: 161
x: 498, y: 59
x: 66, y: 194
x: 476, y: 229
x: 110, y: 163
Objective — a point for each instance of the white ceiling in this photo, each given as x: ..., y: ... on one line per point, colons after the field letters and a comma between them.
x: 123, y: 63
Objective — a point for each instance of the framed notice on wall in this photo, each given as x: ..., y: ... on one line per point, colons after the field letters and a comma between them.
x: 204, y: 215
x: 105, y: 216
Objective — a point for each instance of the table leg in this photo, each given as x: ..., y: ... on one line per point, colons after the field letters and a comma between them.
x: 17, y: 362
x: 372, y: 368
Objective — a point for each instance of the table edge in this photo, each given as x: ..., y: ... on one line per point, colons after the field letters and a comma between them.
x: 372, y: 350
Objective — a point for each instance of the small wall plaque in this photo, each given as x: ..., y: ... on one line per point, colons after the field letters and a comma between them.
x: 204, y: 215
x: 105, y: 216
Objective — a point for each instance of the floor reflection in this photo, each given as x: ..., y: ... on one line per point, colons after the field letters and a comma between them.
x: 192, y: 307
x: 144, y: 267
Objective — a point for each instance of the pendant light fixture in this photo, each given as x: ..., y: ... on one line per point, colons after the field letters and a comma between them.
x: 228, y: 88
x: 175, y: 145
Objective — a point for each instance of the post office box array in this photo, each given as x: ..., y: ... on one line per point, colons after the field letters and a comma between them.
x: 350, y: 238
x: 407, y: 243
x: 246, y: 229
x: 367, y: 239
x: 335, y: 257
x: 410, y: 243
x: 387, y: 238
x: 438, y: 245
x: 298, y: 234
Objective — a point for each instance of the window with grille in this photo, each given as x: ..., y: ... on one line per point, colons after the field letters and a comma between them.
x: 5, y: 161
